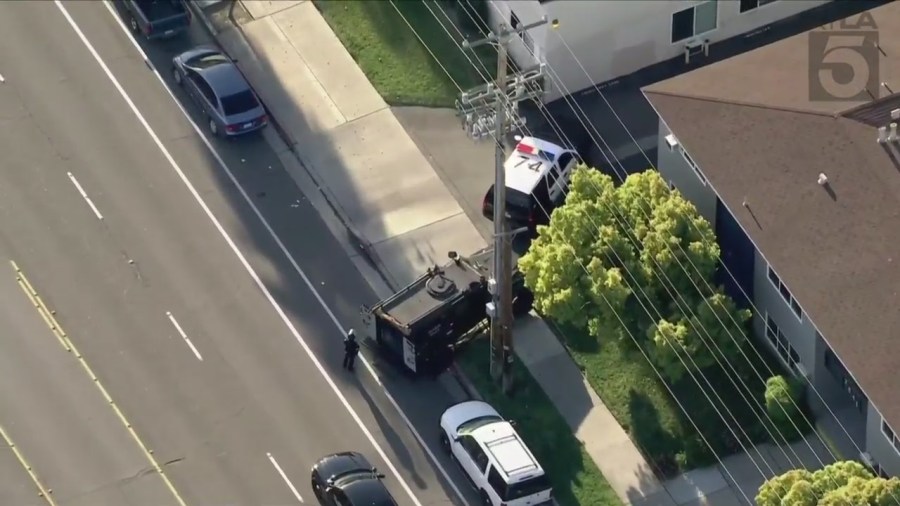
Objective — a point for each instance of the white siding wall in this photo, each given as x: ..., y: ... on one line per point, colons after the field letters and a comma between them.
x: 613, y: 38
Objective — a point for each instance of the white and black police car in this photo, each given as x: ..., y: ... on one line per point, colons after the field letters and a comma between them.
x: 537, y: 178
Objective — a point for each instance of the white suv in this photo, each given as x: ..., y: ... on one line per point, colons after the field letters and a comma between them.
x: 493, y: 456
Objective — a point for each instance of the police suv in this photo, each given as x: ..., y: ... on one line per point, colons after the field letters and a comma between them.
x: 537, y: 178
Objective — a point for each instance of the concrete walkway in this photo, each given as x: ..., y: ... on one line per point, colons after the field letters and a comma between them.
x: 352, y: 158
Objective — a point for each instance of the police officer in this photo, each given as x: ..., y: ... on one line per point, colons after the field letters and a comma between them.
x: 351, y: 349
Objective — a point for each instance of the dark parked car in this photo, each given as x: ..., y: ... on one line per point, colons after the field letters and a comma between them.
x: 157, y: 19
x: 348, y: 479
x: 213, y: 80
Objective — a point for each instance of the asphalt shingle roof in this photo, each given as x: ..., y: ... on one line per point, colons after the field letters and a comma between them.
x: 751, y: 126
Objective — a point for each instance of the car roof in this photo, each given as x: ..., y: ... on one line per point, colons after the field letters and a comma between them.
x: 224, y: 78
x: 529, y: 162
x: 335, y: 464
x: 507, y: 450
x: 368, y: 492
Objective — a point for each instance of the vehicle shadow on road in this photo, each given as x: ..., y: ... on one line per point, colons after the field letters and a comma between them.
x: 312, y: 247
x: 387, y: 429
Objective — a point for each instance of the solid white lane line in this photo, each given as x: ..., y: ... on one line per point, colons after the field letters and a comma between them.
x: 184, y: 335
x: 231, y: 244
x: 284, y: 476
x: 84, y: 195
x: 341, y: 331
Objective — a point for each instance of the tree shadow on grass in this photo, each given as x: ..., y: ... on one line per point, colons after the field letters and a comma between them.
x: 579, y: 341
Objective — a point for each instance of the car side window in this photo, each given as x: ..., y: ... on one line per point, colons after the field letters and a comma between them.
x: 204, y: 88
x: 564, y: 160
x: 497, y: 483
x: 481, y: 460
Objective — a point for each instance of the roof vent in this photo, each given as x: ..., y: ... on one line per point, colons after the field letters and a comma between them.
x: 895, y: 114
x: 882, y: 135
x: 823, y: 179
x: 892, y: 135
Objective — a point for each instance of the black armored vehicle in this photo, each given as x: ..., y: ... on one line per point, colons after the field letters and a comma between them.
x: 421, y: 326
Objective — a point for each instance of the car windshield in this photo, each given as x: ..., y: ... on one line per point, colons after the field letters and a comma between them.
x: 526, y: 488
x: 476, y: 423
x: 238, y: 103
x: 208, y: 60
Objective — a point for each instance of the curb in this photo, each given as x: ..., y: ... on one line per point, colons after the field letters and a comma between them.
x: 199, y: 14
x: 364, y: 246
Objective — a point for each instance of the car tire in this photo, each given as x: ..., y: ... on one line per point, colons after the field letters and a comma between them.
x: 485, y: 499
x: 176, y: 74
x: 445, y: 442
x: 316, y: 490
x: 213, y: 127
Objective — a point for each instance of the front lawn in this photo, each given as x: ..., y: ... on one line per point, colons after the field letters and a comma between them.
x: 397, y: 63
x: 628, y: 386
x: 575, y: 478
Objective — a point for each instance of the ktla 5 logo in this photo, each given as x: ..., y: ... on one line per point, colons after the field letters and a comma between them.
x: 843, y: 60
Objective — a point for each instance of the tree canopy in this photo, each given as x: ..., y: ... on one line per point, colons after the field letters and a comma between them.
x: 635, y: 259
x: 845, y: 483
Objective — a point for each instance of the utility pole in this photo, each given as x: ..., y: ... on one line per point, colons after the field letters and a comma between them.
x: 496, y: 105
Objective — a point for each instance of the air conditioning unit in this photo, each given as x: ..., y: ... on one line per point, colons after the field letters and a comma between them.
x: 892, y: 133
x: 672, y: 142
x: 694, y: 47
x: 867, y: 459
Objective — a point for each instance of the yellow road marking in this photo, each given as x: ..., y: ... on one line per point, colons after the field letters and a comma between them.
x: 42, y: 491
x: 60, y: 334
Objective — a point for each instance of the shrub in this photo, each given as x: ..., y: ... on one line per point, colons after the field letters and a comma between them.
x: 783, y: 398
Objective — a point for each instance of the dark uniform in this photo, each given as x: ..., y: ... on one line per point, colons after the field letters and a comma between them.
x: 351, y: 349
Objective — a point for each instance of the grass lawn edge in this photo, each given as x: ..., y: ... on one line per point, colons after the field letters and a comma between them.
x: 575, y: 476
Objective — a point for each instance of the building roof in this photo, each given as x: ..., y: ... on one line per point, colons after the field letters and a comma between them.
x: 759, y: 138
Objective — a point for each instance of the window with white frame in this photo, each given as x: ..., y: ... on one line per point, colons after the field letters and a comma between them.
x: 694, y: 20
x: 749, y: 5
x: 781, y: 344
x: 694, y: 167
x: 785, y: 293
x: 890, y: 435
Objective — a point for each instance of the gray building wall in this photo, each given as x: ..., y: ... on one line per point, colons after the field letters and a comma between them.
x: 883, y: 451
x: 675, y: 169
x: 799, y: 332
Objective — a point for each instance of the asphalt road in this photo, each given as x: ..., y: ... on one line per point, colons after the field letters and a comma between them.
x: 116, y: 283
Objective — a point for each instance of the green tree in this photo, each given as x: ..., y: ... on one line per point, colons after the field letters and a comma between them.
x: 650, y: 260
x: 846, y: 483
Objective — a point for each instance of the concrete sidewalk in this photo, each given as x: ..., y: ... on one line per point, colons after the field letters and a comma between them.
x: 351, y: 157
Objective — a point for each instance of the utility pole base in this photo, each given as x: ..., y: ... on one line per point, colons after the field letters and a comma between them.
x: 506, y: 382
x: 496, y: 368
